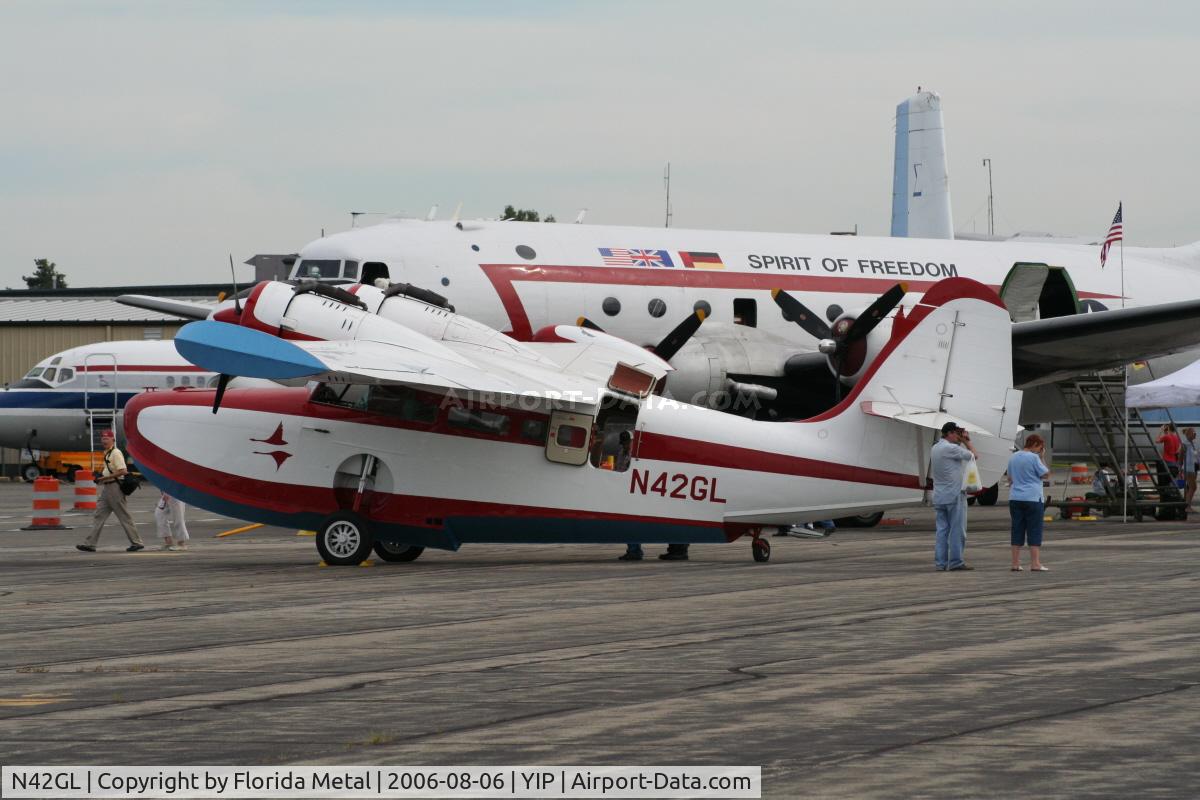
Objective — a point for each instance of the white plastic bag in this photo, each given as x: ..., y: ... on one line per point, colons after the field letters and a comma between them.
x: 971, y: 481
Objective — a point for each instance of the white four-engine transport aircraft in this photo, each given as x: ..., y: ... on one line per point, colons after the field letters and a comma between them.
x: 638, y: 283
x: 428, y: 429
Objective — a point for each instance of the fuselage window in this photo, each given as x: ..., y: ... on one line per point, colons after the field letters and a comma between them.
x: 526, y: 252
x: 185, y: 380
x: 402, y: 402
x: 571, y: 436
x: 833, y: 312
x: 481, y: 421
x: 657, y: 308
x: 745, y: 312
x: 348, y: 396
x: 702, y: 305
x: 611, y: 306
x: 534, y: 430
x: 170, y: 381
x: 373, y: 271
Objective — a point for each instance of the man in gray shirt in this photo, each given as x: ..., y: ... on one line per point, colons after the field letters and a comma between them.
x: 948, y: 465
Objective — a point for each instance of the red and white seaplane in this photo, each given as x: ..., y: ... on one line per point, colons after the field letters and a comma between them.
x: 422, y: 428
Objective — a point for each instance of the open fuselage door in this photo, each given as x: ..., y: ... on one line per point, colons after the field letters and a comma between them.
x: 1038, y: 291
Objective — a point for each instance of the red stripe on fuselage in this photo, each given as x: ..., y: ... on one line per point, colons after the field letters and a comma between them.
x: 504, y: 278
x: 140, y: 368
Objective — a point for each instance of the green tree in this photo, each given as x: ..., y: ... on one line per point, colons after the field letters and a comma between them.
x: 525, y: 215
x: 45, y: 276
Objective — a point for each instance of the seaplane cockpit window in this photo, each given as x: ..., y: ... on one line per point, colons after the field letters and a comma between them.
x: 402, y: 402
x: 350, y: 270
x: 319, y: 268
x: 350, y: 395
x: 481, y: 421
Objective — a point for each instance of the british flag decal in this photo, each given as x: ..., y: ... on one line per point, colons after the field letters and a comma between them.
x: 624, y: 257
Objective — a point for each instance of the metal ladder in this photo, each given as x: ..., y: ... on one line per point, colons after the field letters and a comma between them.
x: 1096, y: 406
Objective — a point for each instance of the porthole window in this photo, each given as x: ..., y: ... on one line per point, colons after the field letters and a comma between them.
x: 526, y: 252
x: 657, y: 308
x: 611, y: 306
x: 702, y: 305
x: 475, y: 247
x: 833, y: 312
x: 445, y: 281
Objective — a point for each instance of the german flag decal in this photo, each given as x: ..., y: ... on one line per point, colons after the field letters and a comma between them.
x: 697, y: 260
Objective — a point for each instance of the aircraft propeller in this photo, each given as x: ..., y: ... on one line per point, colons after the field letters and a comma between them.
x: 845, y: 343
x: 672, y: 343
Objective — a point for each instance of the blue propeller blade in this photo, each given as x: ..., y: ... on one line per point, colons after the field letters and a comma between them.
x: 234, y: 350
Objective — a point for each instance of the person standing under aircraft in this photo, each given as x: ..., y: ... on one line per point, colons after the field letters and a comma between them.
x: 948, y: 465
x: 1189, y: 465
x: 1026, y: 470
x: 1170, y: 448
x: 112, y: 500
x: 172, y: 528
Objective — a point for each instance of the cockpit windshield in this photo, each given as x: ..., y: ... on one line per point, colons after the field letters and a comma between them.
x: 322, y: 268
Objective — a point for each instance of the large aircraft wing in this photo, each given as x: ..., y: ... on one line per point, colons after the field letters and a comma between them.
x: 1047, y: 350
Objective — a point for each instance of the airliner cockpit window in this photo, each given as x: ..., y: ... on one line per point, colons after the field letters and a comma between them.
x: 65, y: 375
x: 49, y: 374
x: 319, y: 268
x: 33, y: 373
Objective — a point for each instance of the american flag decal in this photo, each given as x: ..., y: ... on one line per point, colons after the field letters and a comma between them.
x: 623, y: 257
x: 1116, y: 232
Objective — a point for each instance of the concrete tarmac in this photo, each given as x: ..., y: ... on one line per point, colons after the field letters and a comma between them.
x: 845, y: 667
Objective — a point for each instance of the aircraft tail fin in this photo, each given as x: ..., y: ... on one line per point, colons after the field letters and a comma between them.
x: 949, y: 359
x: 920, y: 182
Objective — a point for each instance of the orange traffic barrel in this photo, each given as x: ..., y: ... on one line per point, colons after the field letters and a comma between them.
x: 1073, y: 510
x: 1079, y: 473
x: 1143, y: 474
x: 85, y: 490
x: 45, y: 506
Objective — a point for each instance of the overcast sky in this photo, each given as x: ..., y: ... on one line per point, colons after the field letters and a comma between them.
x: 142, y: 142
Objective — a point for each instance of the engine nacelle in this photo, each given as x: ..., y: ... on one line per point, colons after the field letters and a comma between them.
x: 704, y: 364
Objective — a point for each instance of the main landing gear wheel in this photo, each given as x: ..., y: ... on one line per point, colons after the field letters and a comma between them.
x: 344, y: 540
x: 30, y: 473
x: 989, y: 495
x: 761, y: 549
x: 390, y: 551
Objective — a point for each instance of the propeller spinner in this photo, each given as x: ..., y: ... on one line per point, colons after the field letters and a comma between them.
x: 846, y: 342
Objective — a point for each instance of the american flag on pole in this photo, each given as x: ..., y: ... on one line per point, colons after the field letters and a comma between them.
x: 1115, y: 234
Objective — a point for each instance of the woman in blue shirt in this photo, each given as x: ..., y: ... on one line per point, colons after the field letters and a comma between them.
x: 1026, y: 470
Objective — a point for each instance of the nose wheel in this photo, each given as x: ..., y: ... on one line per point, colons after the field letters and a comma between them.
x: 761, y: 549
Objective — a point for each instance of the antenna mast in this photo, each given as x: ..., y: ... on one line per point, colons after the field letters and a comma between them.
x: 667, y: 182
x: 987, y: 162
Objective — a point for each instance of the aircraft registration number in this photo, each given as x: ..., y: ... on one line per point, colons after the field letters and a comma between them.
x: 677, y: 485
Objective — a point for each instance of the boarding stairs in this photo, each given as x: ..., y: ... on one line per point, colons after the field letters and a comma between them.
x: 1096, y: 405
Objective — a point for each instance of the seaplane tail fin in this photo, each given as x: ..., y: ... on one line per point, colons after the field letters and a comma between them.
x: 949, y: 359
